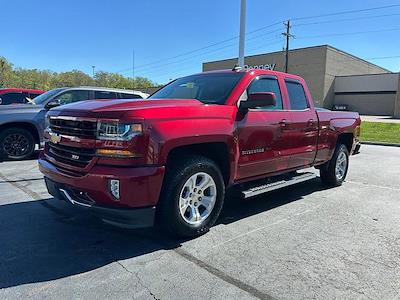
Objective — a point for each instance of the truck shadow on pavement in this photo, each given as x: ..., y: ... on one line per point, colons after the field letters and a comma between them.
x: 48, y: 239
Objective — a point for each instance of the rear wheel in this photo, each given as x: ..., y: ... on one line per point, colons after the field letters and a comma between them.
x: 16, y: 144
x: 334, y: 172
x: 192, y: 197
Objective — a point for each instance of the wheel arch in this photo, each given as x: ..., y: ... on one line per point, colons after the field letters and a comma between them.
x: 346, y: 139
x: 24, y: 125
x: 216, y: 151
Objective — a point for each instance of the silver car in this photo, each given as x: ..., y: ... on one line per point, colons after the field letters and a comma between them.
x: 22, y: 125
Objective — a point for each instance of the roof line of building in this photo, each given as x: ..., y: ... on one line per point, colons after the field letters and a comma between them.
x: 391, y: 73
x: 356, y: 57
x: 310, y: 47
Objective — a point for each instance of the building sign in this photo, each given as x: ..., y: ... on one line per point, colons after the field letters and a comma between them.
x: 262, y: 67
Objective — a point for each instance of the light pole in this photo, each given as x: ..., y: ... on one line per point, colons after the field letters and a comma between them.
x: 93, y: 72
x: 242, y: 32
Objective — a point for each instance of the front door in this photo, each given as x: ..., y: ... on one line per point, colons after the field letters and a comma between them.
x: 263, y: 145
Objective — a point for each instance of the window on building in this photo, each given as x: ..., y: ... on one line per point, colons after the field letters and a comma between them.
x: 297, y: 96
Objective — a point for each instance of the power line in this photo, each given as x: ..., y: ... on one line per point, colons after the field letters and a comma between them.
x: 383, y: 57
x: 347, y: 33
x: 192, y: 66
x: 203, y: 48
x: 344, y: 20
x: 347, y: 12
x: 190, y: 59
x: 199, y: 54
x: 262, y: 28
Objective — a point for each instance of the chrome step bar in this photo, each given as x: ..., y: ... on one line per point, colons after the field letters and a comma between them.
x: 265, y: 188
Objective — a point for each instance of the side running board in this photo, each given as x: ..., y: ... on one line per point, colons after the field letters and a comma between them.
x: 265, y: 188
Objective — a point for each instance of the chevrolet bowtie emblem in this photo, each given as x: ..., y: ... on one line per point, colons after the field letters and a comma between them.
x: 55, y: 138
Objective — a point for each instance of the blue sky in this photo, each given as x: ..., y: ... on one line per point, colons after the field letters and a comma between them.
x: 65, y: 35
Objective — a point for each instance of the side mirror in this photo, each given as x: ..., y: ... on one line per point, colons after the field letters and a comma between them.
x: 255, y: 100
x: 52, y: 104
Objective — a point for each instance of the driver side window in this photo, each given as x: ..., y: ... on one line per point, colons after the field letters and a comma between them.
x: 265, y: 85
x: 72, y: 96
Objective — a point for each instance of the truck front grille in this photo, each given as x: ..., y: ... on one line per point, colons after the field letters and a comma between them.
x: 78, y: 128
x: 74, y: 156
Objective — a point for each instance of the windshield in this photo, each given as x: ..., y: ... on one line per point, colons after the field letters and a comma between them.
x: 207, y: 88
x: 41, y: 99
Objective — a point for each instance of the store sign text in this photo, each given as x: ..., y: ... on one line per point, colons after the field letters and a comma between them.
x: 262, y: 67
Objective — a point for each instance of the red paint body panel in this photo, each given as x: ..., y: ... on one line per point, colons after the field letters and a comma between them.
x: 259, y: 143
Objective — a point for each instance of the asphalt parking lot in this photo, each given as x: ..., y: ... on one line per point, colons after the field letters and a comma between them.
x: 304, y: 242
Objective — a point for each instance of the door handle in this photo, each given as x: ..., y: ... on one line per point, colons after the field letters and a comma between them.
x: 283, y: 123
x: 311, y: 122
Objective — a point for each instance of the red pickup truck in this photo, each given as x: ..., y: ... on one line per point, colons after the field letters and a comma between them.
x: 170, y: 159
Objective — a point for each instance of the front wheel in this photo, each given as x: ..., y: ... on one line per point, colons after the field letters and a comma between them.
x: 16, y: 144
x: 192, y: 197
x: 334, y: 172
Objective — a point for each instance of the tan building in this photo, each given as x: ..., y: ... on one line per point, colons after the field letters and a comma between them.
x: 321, y: 66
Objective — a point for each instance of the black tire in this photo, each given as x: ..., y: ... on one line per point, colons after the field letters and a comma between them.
x: 328, y: 173
x: 16, y: 144
x: 169, y: 218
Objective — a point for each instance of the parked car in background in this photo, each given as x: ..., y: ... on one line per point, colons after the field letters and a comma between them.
x: 14, y: 95
x: 22, y: 125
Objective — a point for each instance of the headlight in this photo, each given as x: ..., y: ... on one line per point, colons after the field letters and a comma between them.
x: 118, y: 131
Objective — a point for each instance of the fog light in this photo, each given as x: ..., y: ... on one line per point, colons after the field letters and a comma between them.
x: 114, y: 187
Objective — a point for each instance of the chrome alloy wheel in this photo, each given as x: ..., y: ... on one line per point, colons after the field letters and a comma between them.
x: 341, y: 166
x: 197, y: 198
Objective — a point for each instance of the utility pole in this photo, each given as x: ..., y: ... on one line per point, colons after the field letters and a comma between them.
x: 93, y: 72
x: 242, y: 34
x: 288, y: 36
x: 133, y: 69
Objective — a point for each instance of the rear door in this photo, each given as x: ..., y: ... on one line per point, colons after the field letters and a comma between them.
x: 261, y: 133
x: 302, y: 126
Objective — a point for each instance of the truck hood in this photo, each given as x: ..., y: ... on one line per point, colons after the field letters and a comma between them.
x: 149, y: 109
x: 126, y: 105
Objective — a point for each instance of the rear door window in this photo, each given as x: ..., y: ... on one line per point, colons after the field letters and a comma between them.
x: 10, y: 98
x: 72, y: 96
x: 129, y: 96
x: 297, y: 95
x: 105, y: 95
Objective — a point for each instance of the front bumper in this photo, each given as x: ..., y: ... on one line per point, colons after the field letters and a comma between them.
x: 122, y: 217
x: 139, y: 191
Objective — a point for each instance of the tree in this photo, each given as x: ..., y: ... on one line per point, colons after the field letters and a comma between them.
x: 46, y: 79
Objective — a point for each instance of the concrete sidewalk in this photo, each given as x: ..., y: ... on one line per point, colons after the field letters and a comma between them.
x: 380, y: 119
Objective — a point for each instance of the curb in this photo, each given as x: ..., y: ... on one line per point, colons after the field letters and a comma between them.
x: 380, y: 144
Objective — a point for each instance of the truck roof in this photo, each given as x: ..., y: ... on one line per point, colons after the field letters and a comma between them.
x: 255, y: 72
